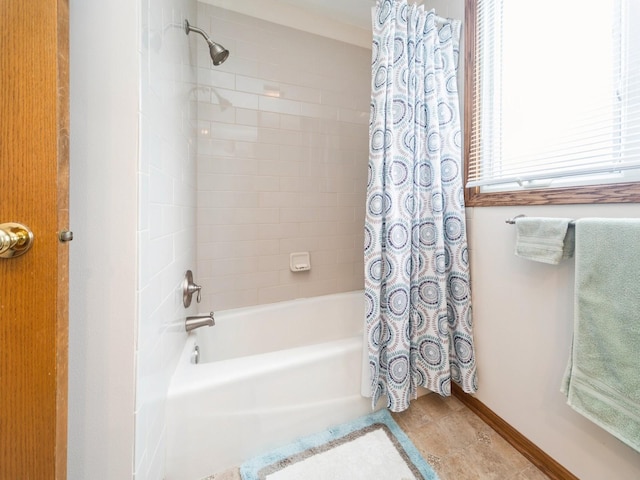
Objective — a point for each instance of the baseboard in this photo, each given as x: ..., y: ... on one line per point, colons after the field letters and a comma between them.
x: 540, y: 459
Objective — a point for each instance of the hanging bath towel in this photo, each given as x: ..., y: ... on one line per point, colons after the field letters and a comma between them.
x: 546, y: 240
x: 602, y: 381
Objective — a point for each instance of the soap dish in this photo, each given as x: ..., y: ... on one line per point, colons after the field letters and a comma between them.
x: 299, y: 262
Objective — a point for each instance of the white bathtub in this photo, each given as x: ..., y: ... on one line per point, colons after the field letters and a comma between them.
x: 267, y: 375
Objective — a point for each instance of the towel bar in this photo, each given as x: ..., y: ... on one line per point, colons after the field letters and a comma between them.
x: 512, y: 221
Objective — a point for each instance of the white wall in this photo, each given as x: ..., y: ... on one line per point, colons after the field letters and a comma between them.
x: 282, y: 161
x: 102, y: 282
x: 166, y: 221
x: 133, y: 215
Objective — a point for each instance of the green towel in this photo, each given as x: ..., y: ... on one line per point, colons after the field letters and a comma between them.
x: 602, y: 380
x: 547, y: 240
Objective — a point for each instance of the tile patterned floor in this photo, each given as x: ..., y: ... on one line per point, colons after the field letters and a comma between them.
x: 455, y: 442
x: 460, y: 446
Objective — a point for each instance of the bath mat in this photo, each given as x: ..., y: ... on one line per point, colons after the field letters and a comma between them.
x: 369, y: 448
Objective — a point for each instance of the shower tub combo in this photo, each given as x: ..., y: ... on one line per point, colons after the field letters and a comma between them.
x: 266, y: 375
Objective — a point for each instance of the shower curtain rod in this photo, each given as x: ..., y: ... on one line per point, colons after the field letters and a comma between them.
x: 438, y: 17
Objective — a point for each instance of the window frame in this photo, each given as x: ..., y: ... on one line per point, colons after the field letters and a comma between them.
x: 628, y: 192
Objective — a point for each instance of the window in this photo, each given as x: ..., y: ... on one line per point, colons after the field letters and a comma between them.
x: 553, y: 101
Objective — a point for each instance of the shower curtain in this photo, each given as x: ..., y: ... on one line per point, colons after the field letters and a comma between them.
x: 417, y: 288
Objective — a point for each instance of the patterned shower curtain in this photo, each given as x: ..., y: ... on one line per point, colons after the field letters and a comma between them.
x: 417, y: 289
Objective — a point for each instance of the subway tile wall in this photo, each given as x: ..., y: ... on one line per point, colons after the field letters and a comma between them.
x: 166, y: 215
x: 282, y: 162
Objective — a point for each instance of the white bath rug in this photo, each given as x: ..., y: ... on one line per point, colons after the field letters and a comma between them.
x: 369, y: 448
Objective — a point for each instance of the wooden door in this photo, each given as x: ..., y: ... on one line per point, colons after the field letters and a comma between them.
x: 34, y: 192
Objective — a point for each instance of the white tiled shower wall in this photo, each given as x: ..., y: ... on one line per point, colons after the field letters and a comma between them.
x: 282, y: 161
x: 166, y: 215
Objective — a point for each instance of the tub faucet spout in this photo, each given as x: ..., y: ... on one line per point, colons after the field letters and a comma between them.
x: 197, y: 321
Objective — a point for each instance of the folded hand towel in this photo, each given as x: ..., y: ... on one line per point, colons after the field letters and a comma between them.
x: 546, y: 240
x: 602, y: 380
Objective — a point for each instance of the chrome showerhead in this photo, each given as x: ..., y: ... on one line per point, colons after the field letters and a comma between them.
x: 218, y: 53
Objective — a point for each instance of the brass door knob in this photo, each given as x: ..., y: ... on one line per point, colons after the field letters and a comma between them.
x: 15, y: 240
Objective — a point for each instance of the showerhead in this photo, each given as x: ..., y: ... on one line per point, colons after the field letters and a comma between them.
x: 218, y: 53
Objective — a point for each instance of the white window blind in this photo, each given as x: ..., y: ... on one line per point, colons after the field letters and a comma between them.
x: 556, y: 94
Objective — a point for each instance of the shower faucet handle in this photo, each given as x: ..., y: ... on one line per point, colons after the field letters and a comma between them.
x: 189, y: 288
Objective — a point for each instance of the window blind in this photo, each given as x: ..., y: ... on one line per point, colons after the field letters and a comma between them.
x: 556, y: 96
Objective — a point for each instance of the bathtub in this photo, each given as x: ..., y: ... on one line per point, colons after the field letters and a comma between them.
x: 266, y: 375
